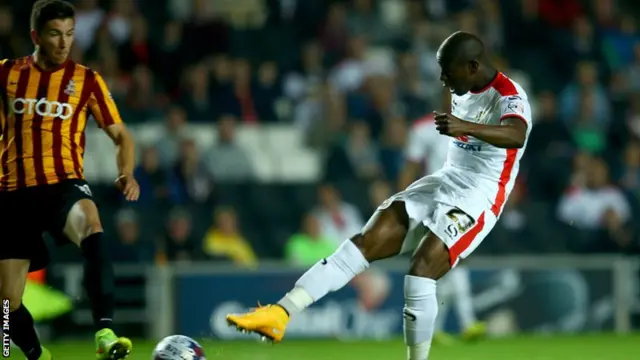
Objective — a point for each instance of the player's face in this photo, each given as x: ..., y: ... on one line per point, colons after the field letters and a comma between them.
x: 55, y: 40
x: 456, y: 76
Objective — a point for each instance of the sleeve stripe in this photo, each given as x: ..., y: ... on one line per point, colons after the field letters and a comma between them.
x: 105, y: 110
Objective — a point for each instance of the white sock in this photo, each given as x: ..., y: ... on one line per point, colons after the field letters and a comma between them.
x: 463, y: 297
x: 419, y: 315
x: 325, y: 276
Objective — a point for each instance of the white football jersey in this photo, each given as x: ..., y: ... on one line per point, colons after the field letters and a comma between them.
x: 478, y: 175
x: 426, y: 145
x: 493, y: 170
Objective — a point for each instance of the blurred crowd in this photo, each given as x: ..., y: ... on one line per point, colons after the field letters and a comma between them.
x: 354, y: 75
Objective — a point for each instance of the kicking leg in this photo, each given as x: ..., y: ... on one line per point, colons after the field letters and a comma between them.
x: 381, y: 238
x: 83, y: 227
x: 13, y: 279
x: 430, y: 262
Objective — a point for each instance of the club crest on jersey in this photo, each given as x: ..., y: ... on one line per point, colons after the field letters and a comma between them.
x: 516, y: 106
x: 71, y: 88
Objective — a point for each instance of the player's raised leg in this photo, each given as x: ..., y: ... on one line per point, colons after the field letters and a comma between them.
x: 83, y: 227
x: 381, y: 238
x: 13, y: 278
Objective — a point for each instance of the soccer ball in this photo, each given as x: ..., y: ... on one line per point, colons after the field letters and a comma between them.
x: 178, y: 347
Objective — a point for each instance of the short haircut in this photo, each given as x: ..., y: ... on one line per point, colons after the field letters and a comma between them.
x: 44, y: 11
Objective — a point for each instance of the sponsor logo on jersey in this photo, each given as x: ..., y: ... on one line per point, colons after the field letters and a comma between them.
x: 42, y: 107
x: 467, y: 147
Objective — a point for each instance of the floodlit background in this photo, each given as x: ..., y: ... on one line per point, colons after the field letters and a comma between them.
x: 263, y: 121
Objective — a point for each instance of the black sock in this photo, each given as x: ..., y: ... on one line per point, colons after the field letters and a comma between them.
x: 98, y: 280
x: 23, y: 333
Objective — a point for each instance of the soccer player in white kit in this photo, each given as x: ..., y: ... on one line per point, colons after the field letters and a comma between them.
x: 442, y: 217
x: 426, y: 152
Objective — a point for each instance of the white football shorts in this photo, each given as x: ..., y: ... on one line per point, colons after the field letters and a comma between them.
x: 461, y: 221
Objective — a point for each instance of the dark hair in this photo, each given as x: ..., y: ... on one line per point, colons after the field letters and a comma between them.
x: 44, y: 11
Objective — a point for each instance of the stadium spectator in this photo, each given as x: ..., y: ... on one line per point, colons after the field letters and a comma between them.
x: 630, y: 174
x: 172, y: 135
x: 560, y: 14
x: 392, y: 147
x: 587, y: 83
x: 551, y: 149
x: 138, y: 48
x: 130, y: 246
x: 361, y: 154
x: 244, y: 91
x: 226, y: 161
x: 337, y: 218
x: 620, y: 40
x: 120, y: 20
x: 195, y: 96
x: 633, y: 69
x: 89, y: 17
x: 268, y: 90
x: 169, y: 62
x: 379, y: 191
x: 188, y: 179
x: 7, y: 38
x: 178, y: 243
x: 141, y: 100
x: 151, y: 177
x: 598, y: 205
x: 334, y: 31
x: 222, y: 71
x: 305, y: 247
x: 307, y: 75
x: 224, y: 240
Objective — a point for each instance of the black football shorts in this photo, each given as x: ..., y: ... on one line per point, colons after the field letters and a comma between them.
x: 25, y: 214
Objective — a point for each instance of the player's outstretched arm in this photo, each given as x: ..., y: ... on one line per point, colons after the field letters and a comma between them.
x: 125, y: 158
x: 510, y: 134
x: 105, y: 111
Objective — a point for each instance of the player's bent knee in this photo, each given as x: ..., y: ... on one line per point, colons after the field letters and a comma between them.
x: 83, y: 221
x: 384, y: 233
x: 431, y: 259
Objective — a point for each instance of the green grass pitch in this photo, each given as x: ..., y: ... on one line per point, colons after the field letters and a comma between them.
x: 583, y: 347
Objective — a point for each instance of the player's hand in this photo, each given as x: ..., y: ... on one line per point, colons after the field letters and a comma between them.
x: 129, y: 187
x: 449, y: 125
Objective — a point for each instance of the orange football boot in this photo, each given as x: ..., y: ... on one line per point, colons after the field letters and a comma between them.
x: 268, y: 321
